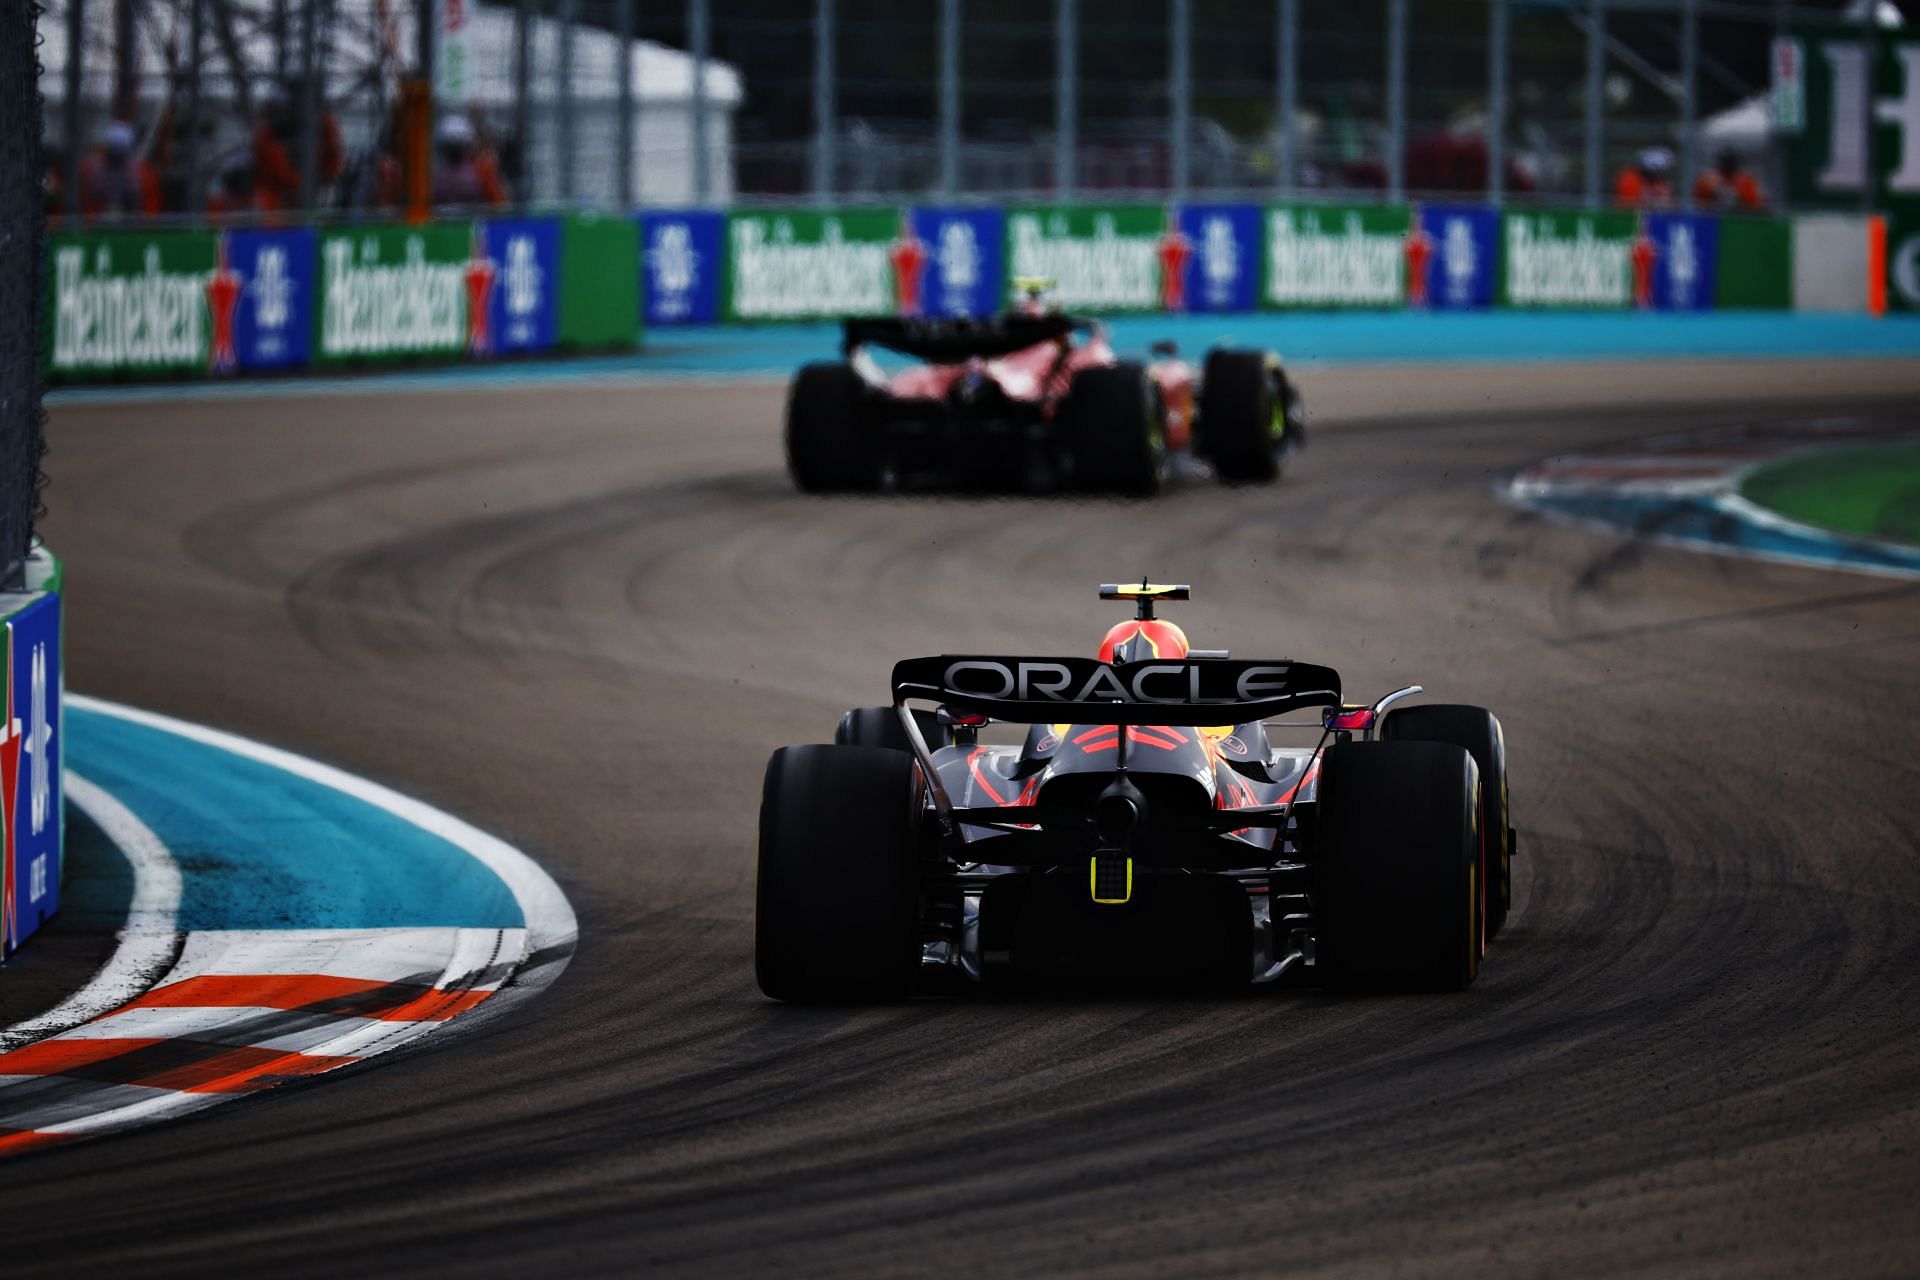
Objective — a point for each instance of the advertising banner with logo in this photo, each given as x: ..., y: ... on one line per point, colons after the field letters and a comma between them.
x: 522, y: 310
x: 389, y: 293
x: 681, y: 266
x: 30, y: 771
x: 809, y: 265
x: 1453, y: 257
x: 1337, y: 255
x: 1573, y: 260
x: 955, y: 267
x: 129, y: 302
x: 1686, y: 260
x: 599, y: 267
x: 1753, y: 263
x: 261, y: 300
x: 1221, y: 271
x: 1100, y: 257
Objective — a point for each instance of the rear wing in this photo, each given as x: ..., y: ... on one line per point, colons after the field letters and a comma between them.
x: 944, y: 341
x: 1087, y: 691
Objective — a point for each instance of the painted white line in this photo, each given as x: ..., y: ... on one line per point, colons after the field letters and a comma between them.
x: 548, y: 915
x: 149, y: 941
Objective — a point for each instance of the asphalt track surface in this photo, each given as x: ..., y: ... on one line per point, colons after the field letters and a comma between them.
x: 582, y: 618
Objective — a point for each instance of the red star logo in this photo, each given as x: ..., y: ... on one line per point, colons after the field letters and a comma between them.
x: 9, y: 785
x: 908, y: 254
x: 224, y: 287
x: 1174, y: 250
x: 1644, y: 254
x: 1419, y: 257
x: 480, y: 275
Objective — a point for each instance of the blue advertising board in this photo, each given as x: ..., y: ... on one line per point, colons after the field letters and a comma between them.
x: 30, y: 769
x: 270, y: 301
x: 959, y: 267
x: 1462, y: 252
x: 680, y: 265
x: 1685, y: 260
x: 1222, y: 267
x: 523, y: 303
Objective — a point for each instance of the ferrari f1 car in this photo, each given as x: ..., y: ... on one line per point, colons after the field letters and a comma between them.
x: 1147, y: 824
x: 1033, y: 401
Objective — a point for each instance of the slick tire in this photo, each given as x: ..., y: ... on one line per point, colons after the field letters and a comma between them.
x: 1238, y: 423
x: 881, y: 727
x: 829, y: 449
x: 1115, y: 437
x: 836, y: 905
x: 1477, y: 730
x: 1397, y: 887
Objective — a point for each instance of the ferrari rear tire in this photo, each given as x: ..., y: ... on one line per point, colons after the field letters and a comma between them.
x: 836, y: 903
x: 1238, y: 414
x: 1114, y: 433
x: 1478, y: 731
x: 1397, y: 891
x: 829, y: 449
x: 881, y: 727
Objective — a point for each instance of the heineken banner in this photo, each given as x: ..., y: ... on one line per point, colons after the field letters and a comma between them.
x: 1453, y: 255
x: 130, y: 302
x: 1100, y: 257
x: 599, y: 265
x: 387, y: 293
x: 30, y: 771
x: 681, y: 267
x: 1221, y: 271
x: 808, y: 265
x: 260, y: 300
x: 1570, y: 260
x: 954, y: 267
x: 521, y: 284
x: 1685, y: 250
x: 1336, y: 255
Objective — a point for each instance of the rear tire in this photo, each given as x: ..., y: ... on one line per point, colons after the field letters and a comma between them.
x: 1239, y: 411
x: 881, y: 727
x: 829, y: 449
x: 836, y: 906
x: 1478, y: 731
x: 1114, y: 433
x: 1397, y: 890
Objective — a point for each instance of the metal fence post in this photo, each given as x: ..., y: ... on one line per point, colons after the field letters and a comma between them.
x: 1066, y: 107
x: 70, y: 109
x: 1869, y: 58
x: 825, y: 125
x: 1596, y: 122
x: 427, y: 35
x: 1496, y: 101
x: 569, y: 17
x: 522, y: 100
x: 190, y: 148
x: 700, y: 36
x: 1689, y: 76
x: 1396, y: 100
x: 949, y: 96
x: 1180, y: 91
x: 309, y: 103
x: 624, y: 65
x: 280, y: 49
x: 1287, y: 105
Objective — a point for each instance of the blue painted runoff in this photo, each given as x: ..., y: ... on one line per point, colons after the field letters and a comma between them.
x: 260, y: 848
x: 1307, y: 338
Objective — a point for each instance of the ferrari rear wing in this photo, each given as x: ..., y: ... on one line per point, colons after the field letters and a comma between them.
x: 943, y: 341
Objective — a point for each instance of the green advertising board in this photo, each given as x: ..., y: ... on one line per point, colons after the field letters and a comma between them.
x: 599, y: 264
x: 394, y: 293
x: 1823, y: 155
x: 1336, y: 255
x: 1755, y: 265
x: 1569, y: 260
x: 129, y: 302
x: 811, y: 265
x: 1099, y: 257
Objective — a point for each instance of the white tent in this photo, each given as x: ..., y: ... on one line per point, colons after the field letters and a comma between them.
x: 362, y: 59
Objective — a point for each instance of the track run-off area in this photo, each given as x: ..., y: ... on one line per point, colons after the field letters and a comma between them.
x: 581, y: 615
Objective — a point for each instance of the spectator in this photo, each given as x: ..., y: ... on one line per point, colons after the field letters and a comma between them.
x: 464, y: 171
x: 113, y: 180
x: 1648, y: 184
x: 233, y: 189
x: 1729, y: 187
x: 276, y: 148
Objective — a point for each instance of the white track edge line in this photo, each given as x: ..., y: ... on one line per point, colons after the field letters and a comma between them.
x: 149, y: 941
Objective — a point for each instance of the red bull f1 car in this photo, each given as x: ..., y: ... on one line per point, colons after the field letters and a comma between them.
x: 1032, y: 401
x: 1156, y: 812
